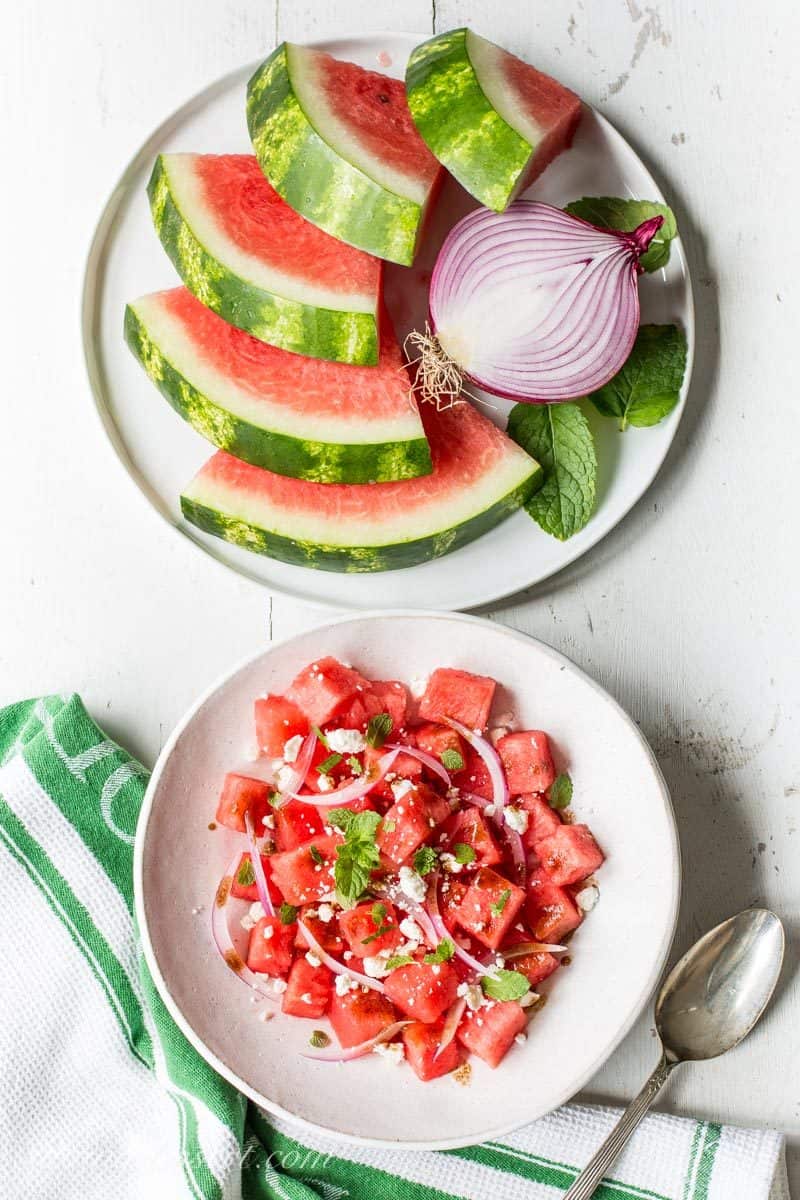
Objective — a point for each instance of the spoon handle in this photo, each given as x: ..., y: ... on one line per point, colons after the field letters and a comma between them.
x: 589, y: 1179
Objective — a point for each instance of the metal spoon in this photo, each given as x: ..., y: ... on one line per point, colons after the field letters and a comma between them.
x: 708, y: 1003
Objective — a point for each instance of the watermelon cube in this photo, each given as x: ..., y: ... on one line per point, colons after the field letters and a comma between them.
x: 277, y: 720
x: 326, y: 933
x: 241, y: 794
x: 435, y: 739
x: 353, y: 716
x: 324, y: 687
x: 543, y: 820
x: 421, y: 1042
x: 452, y: 893
x: 460, y: 695
x: 361, y: 926
x: 489, y: 907
x: 527, y: 760
x: 404, y: 828
x: 569, y: 854
x: 550, y: 910
x: 470, y: 827
x: 388, y: 696
x: 490, y: 1031
x: 295, y: 824
x: 422, y: 990
x: 308, y: 990
x: 359, y: 1015
x: 271, y: 946
x: 305, y: 873
x: 243, y: 890
x: 406, y: 766
x: 475, y: 777
x: 535, y: 967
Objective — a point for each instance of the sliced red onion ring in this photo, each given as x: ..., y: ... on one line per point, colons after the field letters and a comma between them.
x: 517, y: 850
x: 523, y: 948
x: 351, y: 791
x: 334, y: 965
x: 490, y: 757
x: 223, y: 938
x: 428, y: 760
x: 337, y: 1054
x: 258, y: 868
x: 535, y: 304
x: 443, y: 932
x: 451, y: 1023
x: 300, y: 768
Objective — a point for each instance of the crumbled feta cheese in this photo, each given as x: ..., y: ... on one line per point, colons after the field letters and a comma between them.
x: 453, y: 794
x: 401, y: 787
x: 375, y: 966
x: 284, y: 777
x: 253, y: 915
x: 312, y: 959
x: 521, y: 1039
x: 325, y: 913
x: 392, y: 1052
x: 473, y: 995
x: 418, y: 685
x: 451, y: 863
x: 347, y: 741
x: 516, y: 818
x: 410, y: 929
x: 268, y: 821
x: 279, y: 986
x: 348, y: 954
x: 412, y: 884
x: 345, y: 984
x: 267, y: 932
x: 325, y: 783
x: 587, y: 898
x: 306, y: 997
x: 490, y: 810
x: 528, y: 999
x: 291, y: 749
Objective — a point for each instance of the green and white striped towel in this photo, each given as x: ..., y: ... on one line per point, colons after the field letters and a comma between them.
x: 103, y: 1096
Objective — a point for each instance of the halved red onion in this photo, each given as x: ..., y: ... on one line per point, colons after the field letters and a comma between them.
x: 221, y: 915
x: 337, y: 1054
x: 535, y: 304
x: 258, y: 868
x: 533, y: 948
x: 300, y: 768
x: 351, y: 791
x: 451, y: 1023
x: 428, y: 760
x: 334, y: 965
x: 443, y: 932
x: 490, y: 757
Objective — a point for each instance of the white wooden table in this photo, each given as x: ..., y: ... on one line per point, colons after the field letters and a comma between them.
x: 687, y: 613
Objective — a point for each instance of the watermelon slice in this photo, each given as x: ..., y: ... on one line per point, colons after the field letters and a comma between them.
x: 338, y: 143
x: 494, y: 121
x: 331, y: 422
x: 249, y: 256
x: 479, y: 477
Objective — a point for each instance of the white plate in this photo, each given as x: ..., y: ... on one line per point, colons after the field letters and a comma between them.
x: 617, y: 955
x: 162, y: 453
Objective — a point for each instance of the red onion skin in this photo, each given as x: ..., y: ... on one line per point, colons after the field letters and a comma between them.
x: 638, y: 240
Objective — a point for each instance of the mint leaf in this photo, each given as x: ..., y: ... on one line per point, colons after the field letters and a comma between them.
x: 319, y: 1039
x: 355, y: 765
x: 356, y: 857
x: 287, y: 914
x: 506, y: 985
x: 319, y: 735
x: 443, y: 952
x: 330, y: 762
x: 560, y: 795
x: 245, y: 876
x: 463, y: 853
x: 611, y: 212
x: 559, y: 438
x: 648, y: 386
x: 425, y: 860
x: 316, y: 855
x: 399, y: 960
x: 378, y: 729
x: 501, y: 902
x: 452, y: 760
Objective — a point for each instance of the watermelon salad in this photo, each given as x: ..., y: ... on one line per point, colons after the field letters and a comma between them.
x: 408, y: 873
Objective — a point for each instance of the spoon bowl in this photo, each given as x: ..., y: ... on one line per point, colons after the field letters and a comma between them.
x: 714, y: 995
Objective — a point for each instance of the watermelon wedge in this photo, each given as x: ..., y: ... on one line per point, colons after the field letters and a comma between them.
x: 298, y: 416
x: 338, y: 143
x: 494, y: 121
x: 479, y: 477
x: 248, y: 256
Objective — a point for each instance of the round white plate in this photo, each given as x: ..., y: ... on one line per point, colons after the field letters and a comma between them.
x: 162, y: 453
x: 617, y: 955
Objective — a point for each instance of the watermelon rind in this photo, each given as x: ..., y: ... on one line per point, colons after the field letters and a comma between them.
x: 380, y: 212
x: 331, y: 333
x: 469, y: 118
x: 210, y: 405
x: 401, y: 541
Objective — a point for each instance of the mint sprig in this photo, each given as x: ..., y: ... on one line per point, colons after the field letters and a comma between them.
x: 612, y: 212
x: 648, y: 386
x: 356, y: 857
x: 443, y: 952
x: 559, y: 438
x: 425, y: 860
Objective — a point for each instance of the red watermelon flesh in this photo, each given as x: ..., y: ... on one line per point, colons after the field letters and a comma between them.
x: 253, y: 216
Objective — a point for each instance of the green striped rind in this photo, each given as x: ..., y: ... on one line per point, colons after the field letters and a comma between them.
x: 357, y: 559
x: 458, y: 123
x: 300, y: 458
x: 350, y: 337
x: 315, y: 180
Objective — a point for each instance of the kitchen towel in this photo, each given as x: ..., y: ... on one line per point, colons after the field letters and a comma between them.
x: 102, y: 1095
